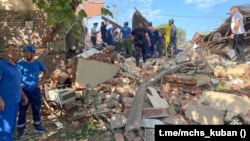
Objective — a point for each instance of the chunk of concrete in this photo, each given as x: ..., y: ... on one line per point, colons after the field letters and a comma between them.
x: 150, y: 123
x: 204, y: 115
x: 226, y: 101
x: 175, y: 120
x: 149, y: 134
x: 92, y: 72
x: 118, y: 121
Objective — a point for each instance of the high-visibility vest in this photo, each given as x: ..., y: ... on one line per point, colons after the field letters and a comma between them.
x: 167, y: 37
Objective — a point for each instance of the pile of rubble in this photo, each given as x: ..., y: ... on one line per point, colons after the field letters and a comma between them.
x: 130, y: 101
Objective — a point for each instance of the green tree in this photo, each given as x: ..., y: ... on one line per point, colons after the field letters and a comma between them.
x: 181, y: 33
x: 61, y: 11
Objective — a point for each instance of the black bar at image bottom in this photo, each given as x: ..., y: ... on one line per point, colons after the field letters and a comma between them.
x: 206, y: 132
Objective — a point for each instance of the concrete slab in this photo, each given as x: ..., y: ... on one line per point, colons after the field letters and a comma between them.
x: 92, y: 72
x: 226, y: 101
x: 204, y: 115
x: 150, y: 123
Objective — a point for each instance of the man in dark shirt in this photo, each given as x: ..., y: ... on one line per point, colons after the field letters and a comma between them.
x: 141, y: 38
x: 103, y: 30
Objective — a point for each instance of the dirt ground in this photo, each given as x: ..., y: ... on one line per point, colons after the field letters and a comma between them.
x: 89, y: 128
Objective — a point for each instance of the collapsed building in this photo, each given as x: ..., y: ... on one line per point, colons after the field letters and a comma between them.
x: 219, y: 42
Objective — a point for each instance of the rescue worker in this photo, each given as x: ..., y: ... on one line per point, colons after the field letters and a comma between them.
x: 153, y: 40
x: 141, y: 39
x: 126, y: 44
x: 167, y: 38
x: 173, y: 37
x: 111, y: 35
x: 30, y: 69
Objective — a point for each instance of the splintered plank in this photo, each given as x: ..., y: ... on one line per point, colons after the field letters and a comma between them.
x: 156, y: 100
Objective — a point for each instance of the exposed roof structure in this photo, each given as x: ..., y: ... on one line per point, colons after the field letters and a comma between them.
x: 224, y: 28
x: 138, y: 18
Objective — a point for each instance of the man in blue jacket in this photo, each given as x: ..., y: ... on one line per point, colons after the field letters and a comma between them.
x: 30, y: 69
x: 111, y: 35
x: 10, y: 93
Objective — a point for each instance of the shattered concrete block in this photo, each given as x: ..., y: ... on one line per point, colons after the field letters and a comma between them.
x: 204, y: 115
x: 175, y: 120
x: 118, y: 121
x: 150, y: 123
x: 92, y: 72
x: 226, y: 101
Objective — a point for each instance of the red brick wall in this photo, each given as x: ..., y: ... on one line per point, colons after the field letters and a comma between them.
x: 13, y: 30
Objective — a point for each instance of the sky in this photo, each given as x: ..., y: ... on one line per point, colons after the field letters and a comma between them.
x: 191, y: 15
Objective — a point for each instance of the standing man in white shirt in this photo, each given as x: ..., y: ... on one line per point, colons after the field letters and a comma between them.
x: 94, y: 34
x: 238, y: 31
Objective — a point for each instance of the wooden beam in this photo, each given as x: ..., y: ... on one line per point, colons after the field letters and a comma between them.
x: 112, y: 22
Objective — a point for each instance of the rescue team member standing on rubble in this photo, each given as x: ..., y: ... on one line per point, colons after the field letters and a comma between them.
x: 10, y: 93
x: 30, y: 69
x: 167, y: 38
x: 103, y: 30
x: 173, y: 37
x: 126, y: 44
x: 160, y: 38
x: 111, y: 35
x: 238, y: 31
x: 141, y: 38
x: 153, y: 40
x: 94, y: 34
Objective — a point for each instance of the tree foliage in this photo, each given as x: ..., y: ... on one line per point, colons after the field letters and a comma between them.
x: 181, y: 33
x: 62, y: 11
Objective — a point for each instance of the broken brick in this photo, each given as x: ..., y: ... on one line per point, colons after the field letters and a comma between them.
x: 129, y: 135
x: 167, y: 87
x: 119, y: 137
x: 170, y: 79
x: 138, y: 138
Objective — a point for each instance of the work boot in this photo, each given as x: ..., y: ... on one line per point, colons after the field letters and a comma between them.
x: 40, y: 129
x: 20, y: 134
